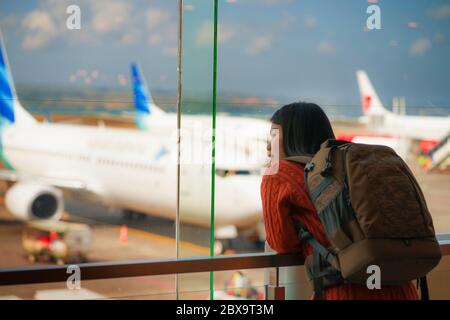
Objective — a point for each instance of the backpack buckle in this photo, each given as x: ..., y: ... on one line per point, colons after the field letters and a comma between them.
x: 303, y: 234
x: 309, y: 166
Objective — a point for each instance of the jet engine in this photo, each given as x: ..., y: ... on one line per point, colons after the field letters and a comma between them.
x: 31, y: 200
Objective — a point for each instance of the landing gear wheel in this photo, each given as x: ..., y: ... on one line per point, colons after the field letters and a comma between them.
x: 221, y: 246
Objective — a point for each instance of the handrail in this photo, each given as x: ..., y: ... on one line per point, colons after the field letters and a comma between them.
x: 154, y: 267
x: 150, y: 267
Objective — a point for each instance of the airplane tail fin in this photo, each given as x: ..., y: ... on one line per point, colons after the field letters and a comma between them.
x: 143, y: 101
x: 370, y: 102
x: 11, y: 111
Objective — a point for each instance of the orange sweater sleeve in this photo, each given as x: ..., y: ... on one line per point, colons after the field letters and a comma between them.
x: 278, y: 199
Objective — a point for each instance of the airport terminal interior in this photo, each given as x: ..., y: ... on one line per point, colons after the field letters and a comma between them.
x: 135, y: 132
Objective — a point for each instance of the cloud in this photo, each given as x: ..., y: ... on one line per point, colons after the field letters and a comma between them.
x: 170, y: 51
x: 285, y: 23
x: 440, y: 12
x: 154, y: 39
x: 156, y: 17
x: 258, y: 45
x: 109, y: 15
x: 122, y: 80
x: 102, y: 20
x: 104, y: 17
x: 326, y: 48
x: 131, y: 37
x: 205, y: 35
x: 40, y: 29
x: 162, y: 29
x: 420, y: 47
x: 170, y: 32
x: 412, y: 25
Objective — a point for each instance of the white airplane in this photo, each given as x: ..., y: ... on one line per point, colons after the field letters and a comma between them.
x: 248, y: 134
x: 387, y: 122
x: 125, y: 168
x: 400, y: 145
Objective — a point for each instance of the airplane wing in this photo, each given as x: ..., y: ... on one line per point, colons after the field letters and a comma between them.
x: 7, y: 175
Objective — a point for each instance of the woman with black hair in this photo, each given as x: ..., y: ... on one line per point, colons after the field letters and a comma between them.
x: 298, y: 129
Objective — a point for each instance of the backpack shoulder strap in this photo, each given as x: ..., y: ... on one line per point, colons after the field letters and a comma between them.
x: 333, y: 143
x: 304, y: 234
x: 303, y: 159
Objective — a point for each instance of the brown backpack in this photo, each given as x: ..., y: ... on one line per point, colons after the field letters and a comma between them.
x: 373, y: 212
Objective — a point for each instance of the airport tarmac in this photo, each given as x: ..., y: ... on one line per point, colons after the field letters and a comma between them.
x: 152, y: 238
x: 108, y: 245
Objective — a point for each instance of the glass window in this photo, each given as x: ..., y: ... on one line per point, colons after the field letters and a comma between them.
x: 89, y: 123
x: 88, y: 115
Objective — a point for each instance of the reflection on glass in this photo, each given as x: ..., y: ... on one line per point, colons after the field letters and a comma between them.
x: 77, y: 107
x: 243, y: 130
x: 229, y: 285
x: 136, y: 288
x: 269, y: 54
x: 195, y: 207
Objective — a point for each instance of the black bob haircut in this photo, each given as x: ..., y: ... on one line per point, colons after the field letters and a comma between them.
x: 305, y: 127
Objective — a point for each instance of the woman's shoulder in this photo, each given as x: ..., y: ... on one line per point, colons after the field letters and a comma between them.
x: 285, y: 171
x: 287, y: 177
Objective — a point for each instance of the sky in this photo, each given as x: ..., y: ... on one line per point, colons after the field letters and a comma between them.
x: 281, y: 50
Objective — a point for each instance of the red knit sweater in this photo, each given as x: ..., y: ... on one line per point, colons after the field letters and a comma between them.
x: 284, y: 197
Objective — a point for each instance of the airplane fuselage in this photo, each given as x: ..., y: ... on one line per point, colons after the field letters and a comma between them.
x: 414, y: 127
x: 131, y: 169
